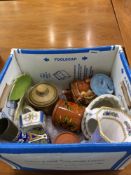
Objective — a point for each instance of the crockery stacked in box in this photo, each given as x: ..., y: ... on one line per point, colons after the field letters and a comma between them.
x: 66, y: 109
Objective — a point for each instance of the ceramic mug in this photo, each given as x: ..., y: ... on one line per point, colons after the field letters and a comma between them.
x: 32, y: 119
x: 109, y: 125
x: 68, y: 115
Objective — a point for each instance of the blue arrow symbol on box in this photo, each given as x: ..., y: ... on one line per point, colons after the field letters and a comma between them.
x: 84, y: 58
x: 46, y: 59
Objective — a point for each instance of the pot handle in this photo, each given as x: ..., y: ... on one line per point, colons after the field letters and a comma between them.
x: 27, y: 109
x: 91, y: 121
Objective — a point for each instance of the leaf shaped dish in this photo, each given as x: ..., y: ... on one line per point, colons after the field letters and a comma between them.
x: 20, y: 86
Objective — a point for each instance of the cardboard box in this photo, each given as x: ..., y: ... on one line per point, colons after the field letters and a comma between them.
x: 61, y: 67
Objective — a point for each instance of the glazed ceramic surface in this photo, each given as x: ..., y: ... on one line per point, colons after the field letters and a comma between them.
x: 102, y: 84
x: 66, y: 137
x: 34, y: 135
x: 108, y: 125
x: 42, y: 97
x: 32, y: 119
x: 20, y: 86
x: 106, y: 100
x: 82, y: 92
x: 68, y: 115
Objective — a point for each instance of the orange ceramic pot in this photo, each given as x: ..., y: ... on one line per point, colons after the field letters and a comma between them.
x: 68, y: 115
x: 66, y: 138
x: 82, y: 92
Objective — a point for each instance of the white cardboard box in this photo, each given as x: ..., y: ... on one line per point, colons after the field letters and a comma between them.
x: 61, y: 67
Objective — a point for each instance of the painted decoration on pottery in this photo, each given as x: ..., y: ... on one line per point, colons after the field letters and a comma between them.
x: 38, y: 135
x: 34, y: 135
x: 68, y: 115
x: 109, y: 125
x: 82, y: 92
x: 21, y: 137
x: 32, y: 119
x: 107, y: 100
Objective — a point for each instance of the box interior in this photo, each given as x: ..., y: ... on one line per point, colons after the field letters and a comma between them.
x: 60, y: 67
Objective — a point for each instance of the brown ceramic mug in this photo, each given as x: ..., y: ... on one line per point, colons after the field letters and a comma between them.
x: 66, y: 138
x: 68, y: 115
x: 82, y: 92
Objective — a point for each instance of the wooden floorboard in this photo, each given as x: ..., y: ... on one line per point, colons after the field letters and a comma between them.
x: 122, y: 10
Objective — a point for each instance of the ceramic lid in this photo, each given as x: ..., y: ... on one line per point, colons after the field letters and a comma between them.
x: 102, y: 84
x: 43, y: 94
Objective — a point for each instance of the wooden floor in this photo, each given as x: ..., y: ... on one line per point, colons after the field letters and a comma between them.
x: 63, y: 24
x: 57, y: 23
x: 122, y: 9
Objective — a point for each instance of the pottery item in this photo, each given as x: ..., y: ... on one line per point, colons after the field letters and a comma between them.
x: 38, y: 135
x: 82, y: 92
x: 66, y: 138
x: 21, y: 137
x: 43, y: 97
x: 87, y: 114
x: 68, y: 115
x: 34, y: 135
x: 107, y: 100
x: 18, y: 111
x: 8, y: 131
x: 9, y: 110
x: 4, y: 96
x: 27, y: 109
x: 20, y: 86
x: 109, y: 125
x: 32, y: 119
x: 102, y: 84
